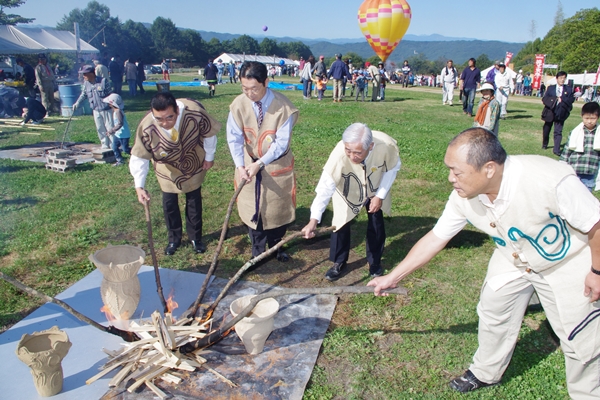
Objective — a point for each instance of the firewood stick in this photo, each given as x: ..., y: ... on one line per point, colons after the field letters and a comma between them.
x: 218, y: 334
x: 193, y: 309
x: 159, y: 288
x: 255, y: 260
x: 125, y: 335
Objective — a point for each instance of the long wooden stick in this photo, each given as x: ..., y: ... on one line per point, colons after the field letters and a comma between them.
x: 125, y: 335
x: 221, y: 332
x: 159, y: 288
x: 255, y: 260
x: 193, y: 309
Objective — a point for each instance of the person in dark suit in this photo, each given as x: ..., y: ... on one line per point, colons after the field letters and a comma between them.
x: 558, y: 103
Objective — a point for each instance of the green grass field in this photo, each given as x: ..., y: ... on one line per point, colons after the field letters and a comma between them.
x: 376, y: 348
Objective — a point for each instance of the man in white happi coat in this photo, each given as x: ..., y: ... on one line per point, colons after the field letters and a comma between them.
x: 359, y: 173
x: 545, y: 224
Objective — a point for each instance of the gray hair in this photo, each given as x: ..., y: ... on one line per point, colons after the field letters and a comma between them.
x: 358, y: 132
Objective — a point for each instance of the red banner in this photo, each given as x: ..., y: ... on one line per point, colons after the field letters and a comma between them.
x: 538, y: 71
x: 508, y: 58
x: 597, y: 74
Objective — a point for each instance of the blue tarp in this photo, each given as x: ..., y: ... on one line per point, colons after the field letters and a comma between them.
x: 272, y: 85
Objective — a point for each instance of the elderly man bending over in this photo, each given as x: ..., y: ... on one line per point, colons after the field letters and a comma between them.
x: 359, y: 173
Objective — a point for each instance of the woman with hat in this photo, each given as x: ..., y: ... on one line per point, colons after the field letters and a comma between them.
x: 488, y: 111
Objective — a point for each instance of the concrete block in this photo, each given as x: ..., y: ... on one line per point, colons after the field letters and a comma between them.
x: 58, y: 168
x: 59, y: 153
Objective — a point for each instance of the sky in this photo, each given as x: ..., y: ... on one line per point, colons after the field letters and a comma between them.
x: 505, y: 20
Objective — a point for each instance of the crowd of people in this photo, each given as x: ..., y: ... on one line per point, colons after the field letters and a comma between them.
x: 491, y: 190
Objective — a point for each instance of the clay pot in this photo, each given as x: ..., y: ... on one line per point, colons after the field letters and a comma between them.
x: 254, y: 329
x: 120, y: 288
x: 43, y: 353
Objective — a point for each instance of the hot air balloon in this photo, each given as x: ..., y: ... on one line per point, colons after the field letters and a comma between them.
x: 384, y: 23
x: 265, y: 28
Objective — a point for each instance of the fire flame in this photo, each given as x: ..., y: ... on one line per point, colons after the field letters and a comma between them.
x: 171, y: 304
x: 109, y: 315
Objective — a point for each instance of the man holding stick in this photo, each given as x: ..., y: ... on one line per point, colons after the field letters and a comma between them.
x: 178, y: 135
x: 259, y: 131
x: 359, y: 173
x: 545, y: 225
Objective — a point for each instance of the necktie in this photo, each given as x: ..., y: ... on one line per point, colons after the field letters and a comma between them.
x: 174, y: 134
x: 260, y: 113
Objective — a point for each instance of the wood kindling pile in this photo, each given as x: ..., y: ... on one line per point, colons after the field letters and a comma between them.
x: 156, y: 355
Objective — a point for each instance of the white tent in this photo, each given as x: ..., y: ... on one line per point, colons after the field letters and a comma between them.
x: 18, y: 40
x: 229, y: 58
x: 578, y: 79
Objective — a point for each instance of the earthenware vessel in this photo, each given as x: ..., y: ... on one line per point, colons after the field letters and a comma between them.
x: 254, y: 329
x: 43, y: 352
x: 120, y: 288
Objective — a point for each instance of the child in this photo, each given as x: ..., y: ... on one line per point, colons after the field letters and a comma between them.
x: 120, y: 128
x: 361, y: 83
x: 488, y: 111
x: 321, y: 83
x: 582, y: 150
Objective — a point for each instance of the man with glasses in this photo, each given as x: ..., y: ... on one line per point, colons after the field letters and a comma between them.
x: 179, y: 136
x: 259, y: 130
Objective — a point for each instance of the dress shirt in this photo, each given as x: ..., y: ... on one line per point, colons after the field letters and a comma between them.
x: 326, y: 188
x: 236, y: 141
x: 139, y: 167
x: 575, y: 203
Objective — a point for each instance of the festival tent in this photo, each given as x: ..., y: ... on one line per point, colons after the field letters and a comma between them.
x: 578, y: 79
x: 16, y: 40
x: 233, y: 58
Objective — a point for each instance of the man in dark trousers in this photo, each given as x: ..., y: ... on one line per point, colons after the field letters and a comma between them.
x: 337, y: 71
x: 115, y: 69
x: 33, y: 111
x: 558, y: 103
x: 179, y: 137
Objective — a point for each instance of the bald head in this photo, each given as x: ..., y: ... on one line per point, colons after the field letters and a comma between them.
x: 483, y: 146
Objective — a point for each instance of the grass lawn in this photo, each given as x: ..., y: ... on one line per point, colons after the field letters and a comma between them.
x: 376, y: 348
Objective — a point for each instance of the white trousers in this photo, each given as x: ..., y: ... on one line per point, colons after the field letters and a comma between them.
x: 448, y: 92
x: 500, y: 317
x: 502, y: 98
x: 104, y: 122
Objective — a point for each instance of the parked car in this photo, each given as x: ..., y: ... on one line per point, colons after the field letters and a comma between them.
x: 154, y: 69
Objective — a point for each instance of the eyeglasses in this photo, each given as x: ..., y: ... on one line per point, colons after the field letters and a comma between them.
x: 168, y: 118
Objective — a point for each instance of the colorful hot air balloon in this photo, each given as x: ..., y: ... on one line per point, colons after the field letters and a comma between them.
x: 384, y: 23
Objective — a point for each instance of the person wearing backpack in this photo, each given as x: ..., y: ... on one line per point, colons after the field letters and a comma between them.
x: 448, y: 80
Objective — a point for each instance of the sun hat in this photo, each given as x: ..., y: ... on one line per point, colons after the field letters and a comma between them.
x: 486, y: 86
x: 88, y: 69
x: 114, y: 100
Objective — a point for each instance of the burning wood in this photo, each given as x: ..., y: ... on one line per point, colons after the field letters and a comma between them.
x: 156, y: 355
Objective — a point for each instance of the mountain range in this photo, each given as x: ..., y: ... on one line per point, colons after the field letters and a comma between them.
x: 433, y: 46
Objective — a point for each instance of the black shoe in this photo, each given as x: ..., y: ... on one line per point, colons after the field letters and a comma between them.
x: 171, y: 248
x: 283, y: 257
x: 556, y: 154
x: 335, y: 271
x: 375, y: 270
x: 467, y: 382
x: 199, y: 247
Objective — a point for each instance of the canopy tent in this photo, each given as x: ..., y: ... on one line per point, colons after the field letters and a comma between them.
x: 18, y: 40
x: 233, y: 58
x: 578, y: 79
